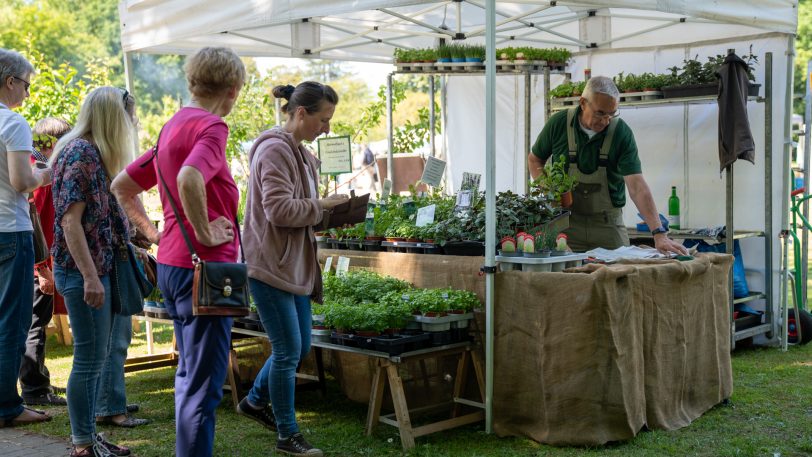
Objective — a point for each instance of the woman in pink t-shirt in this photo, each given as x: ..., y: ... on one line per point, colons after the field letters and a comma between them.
x: 193, y: 162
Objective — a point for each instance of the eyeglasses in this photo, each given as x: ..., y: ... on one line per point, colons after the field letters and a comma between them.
x: 600, y: 114
x: 27, y: 84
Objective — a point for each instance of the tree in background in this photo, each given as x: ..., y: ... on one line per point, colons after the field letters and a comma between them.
x: 803, y: 53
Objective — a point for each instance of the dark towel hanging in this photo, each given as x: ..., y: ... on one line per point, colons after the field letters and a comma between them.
x: 735, y: 138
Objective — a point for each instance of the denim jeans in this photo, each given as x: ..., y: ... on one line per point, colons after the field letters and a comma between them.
x: 287, y: 321
x: 91, y: 339
x: 111, y: 398
x: 204, y: 343
x: 16, y: 302
x: 35, y: 379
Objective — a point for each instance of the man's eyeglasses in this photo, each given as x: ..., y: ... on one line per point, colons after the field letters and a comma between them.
x: 600, y: 114
x: 27, y: 84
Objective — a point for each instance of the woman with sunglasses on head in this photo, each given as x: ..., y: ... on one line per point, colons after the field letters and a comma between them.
x: 111, y: 398
x: 89, y: 226
x: 283, y: 270
x: 17, y: 179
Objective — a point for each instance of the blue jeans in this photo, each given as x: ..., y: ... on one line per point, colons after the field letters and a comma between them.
x: 287, y: 321
x: 91, y: 340
x: 204, y: 343
x: 16, y: 303
x: 111, y: 399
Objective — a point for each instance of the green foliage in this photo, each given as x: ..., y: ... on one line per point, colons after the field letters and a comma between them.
x: 568, y: 89
x: 555, y: 178
x: 59, y: 91
x: 360, y: 286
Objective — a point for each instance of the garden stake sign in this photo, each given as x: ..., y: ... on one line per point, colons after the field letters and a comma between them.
x: 335, y: 154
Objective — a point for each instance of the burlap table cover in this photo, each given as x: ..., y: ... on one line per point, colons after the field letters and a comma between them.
x: 590, y: 357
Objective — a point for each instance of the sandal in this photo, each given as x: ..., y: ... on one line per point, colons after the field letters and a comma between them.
x: 39, y: 416
x: 128, y: 422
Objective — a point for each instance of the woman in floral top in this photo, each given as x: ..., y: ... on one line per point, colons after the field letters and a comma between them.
x: 88, y: 226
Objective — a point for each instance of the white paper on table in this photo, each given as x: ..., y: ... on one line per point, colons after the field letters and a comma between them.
x: 627, y: 252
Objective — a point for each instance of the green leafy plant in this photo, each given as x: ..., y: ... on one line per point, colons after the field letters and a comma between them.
x: 555, y: 179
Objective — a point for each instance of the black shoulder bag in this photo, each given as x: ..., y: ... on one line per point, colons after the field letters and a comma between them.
x: 218, y: 288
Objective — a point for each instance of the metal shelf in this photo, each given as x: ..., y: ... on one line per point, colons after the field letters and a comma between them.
x: 750, y: 297
x: 665, y: 101
x: 684, y: 235
x: 752, y: 331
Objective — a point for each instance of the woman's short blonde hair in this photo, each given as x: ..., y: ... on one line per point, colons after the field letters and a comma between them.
x: 103, y: 121
x: 212, y: 71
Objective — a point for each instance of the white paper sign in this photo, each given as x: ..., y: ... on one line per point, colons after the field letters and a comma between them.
x: 328, y: 264
x: 343, y: 265
x: 433, y: 172
x: 387, y: 188
x: 464, y: 198
x: 425, y: 215
x: 335, y: 154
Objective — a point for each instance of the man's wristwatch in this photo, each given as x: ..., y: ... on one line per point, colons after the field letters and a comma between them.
x: 658, y: 230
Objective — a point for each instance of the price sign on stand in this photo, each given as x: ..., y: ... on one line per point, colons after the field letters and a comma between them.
x: 433, y: 172
x: 343, y: 265
x: 387, y: 188
x: 328, y: 264
x: 425, y: 215
x: 335, y: 154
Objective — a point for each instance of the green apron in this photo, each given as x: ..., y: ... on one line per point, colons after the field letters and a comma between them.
x: 595, y: 222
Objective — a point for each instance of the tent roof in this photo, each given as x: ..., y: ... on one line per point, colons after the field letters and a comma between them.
x: 368, y: 30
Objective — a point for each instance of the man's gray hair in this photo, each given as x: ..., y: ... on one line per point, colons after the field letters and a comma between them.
x: 601, y: 85
x: 13, y: 64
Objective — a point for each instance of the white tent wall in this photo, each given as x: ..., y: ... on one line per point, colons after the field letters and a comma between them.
x: 660, y: 134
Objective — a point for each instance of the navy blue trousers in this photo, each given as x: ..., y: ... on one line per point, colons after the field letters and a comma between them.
x: 204, y: 343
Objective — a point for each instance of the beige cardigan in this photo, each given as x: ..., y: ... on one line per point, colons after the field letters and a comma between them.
x: 280, y: 248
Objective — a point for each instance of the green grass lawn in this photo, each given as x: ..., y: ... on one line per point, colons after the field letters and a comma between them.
x: 770, y: 414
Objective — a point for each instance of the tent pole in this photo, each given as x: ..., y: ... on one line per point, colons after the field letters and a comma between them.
x: 527, y: 145
x: 432, y: 119
x: 490, y: 203
x: 806, y: 168
x: 129, y: 80
x: 278, y: 110
x: 390, y: 133
x: 785, y: 198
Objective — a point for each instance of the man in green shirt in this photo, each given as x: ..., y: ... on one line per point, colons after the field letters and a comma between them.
x: 602, y: 153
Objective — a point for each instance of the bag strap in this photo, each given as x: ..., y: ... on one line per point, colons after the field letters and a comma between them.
x: 195, y: 258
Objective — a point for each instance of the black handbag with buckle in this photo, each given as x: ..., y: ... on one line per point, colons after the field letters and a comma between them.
x: 218, y: 288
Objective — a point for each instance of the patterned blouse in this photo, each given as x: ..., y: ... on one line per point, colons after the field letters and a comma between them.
x: 80, y: 177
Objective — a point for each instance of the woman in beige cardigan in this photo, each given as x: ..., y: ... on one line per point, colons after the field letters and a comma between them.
x: 280, y: 249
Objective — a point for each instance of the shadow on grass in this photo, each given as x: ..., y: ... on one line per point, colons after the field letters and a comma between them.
x: 768, y: 413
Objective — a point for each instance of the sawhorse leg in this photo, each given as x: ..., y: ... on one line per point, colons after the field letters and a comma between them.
x: 401, y: 407
x: 375, y: 399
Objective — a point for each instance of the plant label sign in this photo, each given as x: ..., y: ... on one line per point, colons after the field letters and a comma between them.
x: 343, y: 265
x: 335, y: 154
x: 433, y: 172
x: 464, y: 198
x: 470, y: 181
x: 387, y: 188
x: 425, y: 215
x: 328, y: 264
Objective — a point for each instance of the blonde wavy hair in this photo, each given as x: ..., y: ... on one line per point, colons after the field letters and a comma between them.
x: 104, y: 122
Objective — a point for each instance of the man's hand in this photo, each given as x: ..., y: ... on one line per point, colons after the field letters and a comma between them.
x: 665, y: 245
x: 221, y: 231
x: 46, y: 280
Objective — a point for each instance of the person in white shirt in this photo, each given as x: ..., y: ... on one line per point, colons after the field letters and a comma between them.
x: 17, y: 179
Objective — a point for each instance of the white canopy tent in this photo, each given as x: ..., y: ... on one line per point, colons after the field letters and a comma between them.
x: 606, y: 36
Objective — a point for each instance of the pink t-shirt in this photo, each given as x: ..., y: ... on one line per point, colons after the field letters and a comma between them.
x: 193, y: 137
